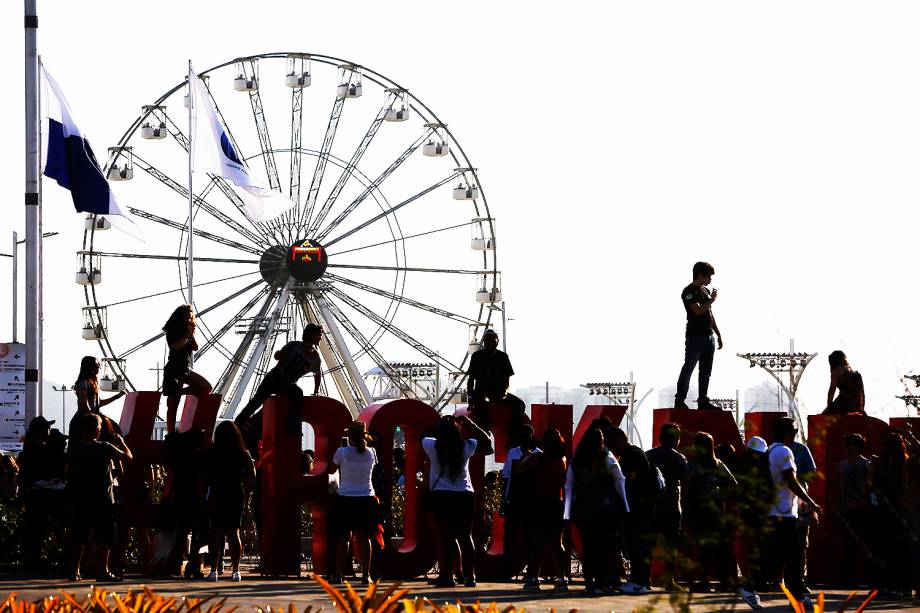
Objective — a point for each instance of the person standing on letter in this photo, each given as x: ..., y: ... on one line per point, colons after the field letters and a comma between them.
x: 702, y: 336
x: 180, y: 339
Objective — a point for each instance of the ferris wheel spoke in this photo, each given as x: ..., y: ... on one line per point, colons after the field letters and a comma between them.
x: 391, y: 328
x: 182, y: 288
x: 217, y: 181
x: 331, y: 127
x: 199, y: 313
x: 348, y: 379
x: 401, y: 299
x: 367, y: 347
x: 403, y: 238
x: 265, y: 141
x: 200, y: 233
x: 296, y: 153
x: 450, y: 271
x: 393, y: 209
x: 199, y: 200
x: 232, y: 321
x: 375, y: 184
x: 178, y: 258
x: 352, y: 163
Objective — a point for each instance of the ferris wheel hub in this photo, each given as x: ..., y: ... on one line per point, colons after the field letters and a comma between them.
x: 306, y: 260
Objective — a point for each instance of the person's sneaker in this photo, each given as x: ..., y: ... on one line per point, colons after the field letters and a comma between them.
x: 532, y: 585
x: 807, y: 603
x: 751, y: 598
x: 235, y: 576
x: 701, y: 587
x: 705, y: 405
x: 674, y: 586
x: 680, y: 404
x: 561, y: 586
x: 634, y: 588
x: 212, y: 576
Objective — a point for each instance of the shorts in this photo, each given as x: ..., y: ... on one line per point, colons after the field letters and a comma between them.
x: 453, y: 512
x: 545, y: 514
x: 356, y: 513
x: 96, y: 518
x: 173, y: 378
x: 226, y: 510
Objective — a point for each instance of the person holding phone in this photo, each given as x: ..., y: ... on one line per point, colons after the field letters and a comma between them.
x: 180, y: 340
x: 702, y: 336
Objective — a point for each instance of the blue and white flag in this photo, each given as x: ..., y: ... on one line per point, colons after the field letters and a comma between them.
x: 69, y: 160
x: 213, y: 153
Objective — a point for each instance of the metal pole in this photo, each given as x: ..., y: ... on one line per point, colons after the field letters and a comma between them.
x: 504, y: 330
x: 547, y: 393
x: 191, y: 196
x: 15, y: 286
x: 33, y: 217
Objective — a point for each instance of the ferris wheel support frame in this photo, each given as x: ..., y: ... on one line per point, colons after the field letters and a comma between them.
x: 280, y: 304
x: 346, y: 358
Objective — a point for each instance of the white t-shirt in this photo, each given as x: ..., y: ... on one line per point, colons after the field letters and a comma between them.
x: 355, y: 470
x: 440, y: 481
x: 514, y: 455
x: 781, y: 459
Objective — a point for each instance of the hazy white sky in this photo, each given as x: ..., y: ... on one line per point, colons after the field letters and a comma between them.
x: 617, y: 144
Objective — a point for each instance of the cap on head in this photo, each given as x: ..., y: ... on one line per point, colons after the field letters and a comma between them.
x: 41, y: 421
x: 758, y: 444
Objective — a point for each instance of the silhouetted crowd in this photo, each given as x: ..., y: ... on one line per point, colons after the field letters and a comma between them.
x: 714, y: 518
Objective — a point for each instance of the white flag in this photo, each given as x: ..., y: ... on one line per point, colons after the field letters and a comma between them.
x: 213, y: 153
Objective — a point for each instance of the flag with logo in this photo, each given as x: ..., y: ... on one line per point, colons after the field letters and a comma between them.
x: 68, y: 159
x: 213, y: 152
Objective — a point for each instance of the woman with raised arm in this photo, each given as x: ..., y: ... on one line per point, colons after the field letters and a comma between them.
x: 852, y: 396
x: 452, y: 502
x: 356, y: 509
x: 86, y: 387
x: 180, y: 339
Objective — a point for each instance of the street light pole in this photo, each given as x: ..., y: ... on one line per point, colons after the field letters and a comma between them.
x: 63, y: 389
x: 15, y: 286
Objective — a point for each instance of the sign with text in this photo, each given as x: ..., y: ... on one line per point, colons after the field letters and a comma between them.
x: 12, y: 395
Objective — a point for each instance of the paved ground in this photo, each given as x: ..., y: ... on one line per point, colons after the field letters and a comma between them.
x: 255, y: 591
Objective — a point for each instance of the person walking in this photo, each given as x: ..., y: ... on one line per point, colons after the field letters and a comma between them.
x: 295, y: 359
x: 545, y: 474
x: 452, y: 500
x: 709, y: 485
x: 513, y: 506
x: 643, y: 489
x: 41, y: 473
x: 887, y: 480
x: 229, y: 475
x: 668, y: 511
x: 788, y: 548
x: 90, y: 487
x: 180, y: 340
x: 700, y: 344
x: 595, y: 499
x: 852, y: 396
x: 356, y: 509
x: 854, y: 504
x: 752, y: 502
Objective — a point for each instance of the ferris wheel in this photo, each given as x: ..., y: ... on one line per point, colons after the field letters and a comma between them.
x: 403, y: 245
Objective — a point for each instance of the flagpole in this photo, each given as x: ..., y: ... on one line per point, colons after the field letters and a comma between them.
x: 33, y: 218
x: 191, y: 198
